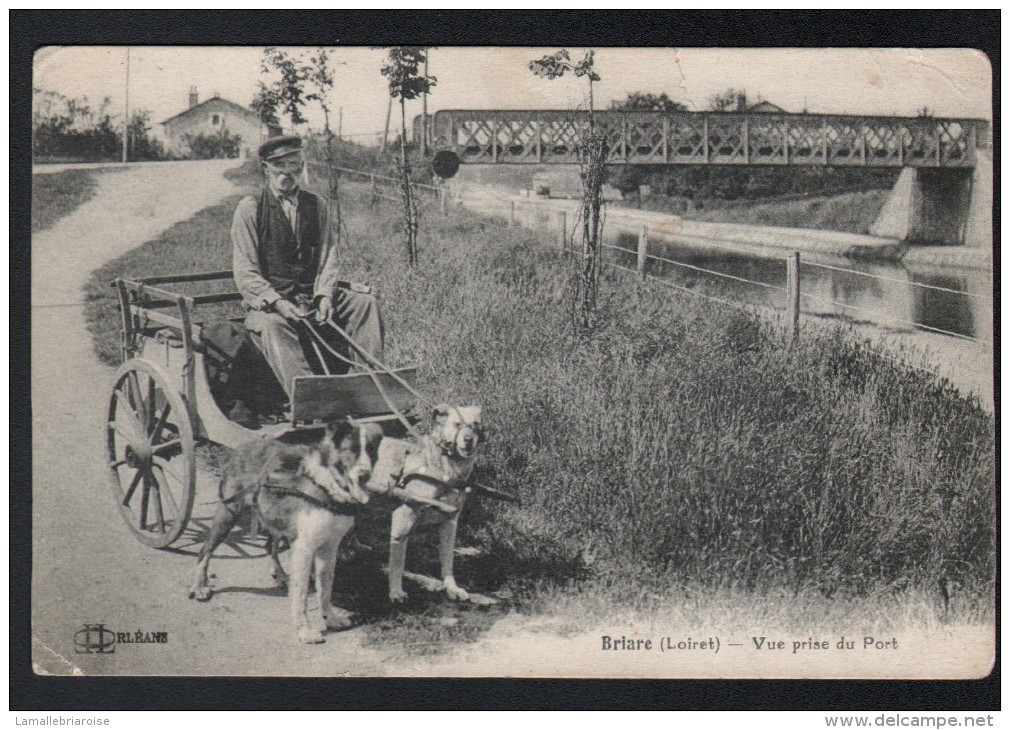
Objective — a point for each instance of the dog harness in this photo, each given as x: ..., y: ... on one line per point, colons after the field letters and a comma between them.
x: 331, y: 506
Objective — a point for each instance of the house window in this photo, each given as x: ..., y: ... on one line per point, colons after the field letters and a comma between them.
x: 215, y: 120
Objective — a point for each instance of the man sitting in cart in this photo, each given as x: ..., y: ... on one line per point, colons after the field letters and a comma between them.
x: 285, y: 265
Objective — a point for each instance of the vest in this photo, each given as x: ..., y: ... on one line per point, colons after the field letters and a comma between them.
x: 288, y: 262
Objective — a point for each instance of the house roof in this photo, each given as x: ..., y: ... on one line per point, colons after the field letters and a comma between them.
x: 237, y: 107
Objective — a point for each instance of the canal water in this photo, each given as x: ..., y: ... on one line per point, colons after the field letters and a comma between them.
x: 892, y: 296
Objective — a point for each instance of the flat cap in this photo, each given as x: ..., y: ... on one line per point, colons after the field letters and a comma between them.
x: 278, y: 147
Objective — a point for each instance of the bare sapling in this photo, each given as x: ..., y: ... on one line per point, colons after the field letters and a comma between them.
x: 592, y: 156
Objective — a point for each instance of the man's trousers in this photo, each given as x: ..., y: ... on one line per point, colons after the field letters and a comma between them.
x: 354, y: 312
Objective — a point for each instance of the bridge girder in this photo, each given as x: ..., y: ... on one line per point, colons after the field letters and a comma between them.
x: 538, y: 136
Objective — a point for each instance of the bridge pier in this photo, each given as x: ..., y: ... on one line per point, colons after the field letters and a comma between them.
x: 940, y: 206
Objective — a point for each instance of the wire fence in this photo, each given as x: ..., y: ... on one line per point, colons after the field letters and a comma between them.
x: 515, y: 209
x: 792, y: 292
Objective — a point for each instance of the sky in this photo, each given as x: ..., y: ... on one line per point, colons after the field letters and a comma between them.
x: 950, y: 82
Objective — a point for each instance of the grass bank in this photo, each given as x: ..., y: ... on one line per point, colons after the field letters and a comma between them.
x: 845, y: 212
x: 55, y: 194
x: 681, y: 448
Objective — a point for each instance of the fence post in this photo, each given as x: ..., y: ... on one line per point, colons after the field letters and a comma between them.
x: 512, y: 213
x: 375, y: 191
x: 643, y: 249
x: 793, y: 293
x: 562, y: 232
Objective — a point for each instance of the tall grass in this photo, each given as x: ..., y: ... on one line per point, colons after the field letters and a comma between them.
x: 679, y: 444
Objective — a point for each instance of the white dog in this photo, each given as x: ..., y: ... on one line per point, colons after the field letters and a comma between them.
x: 434, y: 467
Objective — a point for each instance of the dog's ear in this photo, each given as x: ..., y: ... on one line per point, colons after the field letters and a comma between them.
x: 472, y: 416
x: 337, y: 431
x: 439, y: 413
x: 372, y: 433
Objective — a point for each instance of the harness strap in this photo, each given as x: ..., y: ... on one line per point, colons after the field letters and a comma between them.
x: 417, y: 476
x: 335, y: 508
x: 371, y: 373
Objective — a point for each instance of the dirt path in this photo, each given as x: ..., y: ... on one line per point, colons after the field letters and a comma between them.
x: 87, y: 568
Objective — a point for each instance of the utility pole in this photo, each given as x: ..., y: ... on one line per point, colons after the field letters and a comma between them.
x: 385, y: 133
x: 126, y: 107
x: 424, y: 110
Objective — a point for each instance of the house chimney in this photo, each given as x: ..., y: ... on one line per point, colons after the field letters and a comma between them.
x: 741, y: 102
x: 193, y: 97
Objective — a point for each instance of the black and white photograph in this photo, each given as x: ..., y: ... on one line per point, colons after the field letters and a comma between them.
x: 516, y: 362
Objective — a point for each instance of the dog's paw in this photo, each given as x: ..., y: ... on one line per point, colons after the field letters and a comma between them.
x: 338, y: 618
x: 310, y: 635
x: 455, y: 592
x: 398, y: 596
x: 201, y: 593
x: 280, y: 580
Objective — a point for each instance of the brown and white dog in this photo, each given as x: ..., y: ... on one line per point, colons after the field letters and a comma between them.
x: 306, y: 494
x: 435, y: 466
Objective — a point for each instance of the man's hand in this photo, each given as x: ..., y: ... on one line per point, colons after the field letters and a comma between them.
x: 289, y: 311
x: 324, y: 309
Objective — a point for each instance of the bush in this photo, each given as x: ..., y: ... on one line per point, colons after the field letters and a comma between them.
x: 70, y: 130
x: 219, y: 145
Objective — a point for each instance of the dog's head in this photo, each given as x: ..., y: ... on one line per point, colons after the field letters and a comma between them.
x: 351, y: 451
x: 458, y: 430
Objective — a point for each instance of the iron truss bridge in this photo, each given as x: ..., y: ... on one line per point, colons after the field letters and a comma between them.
x: 711, y: 138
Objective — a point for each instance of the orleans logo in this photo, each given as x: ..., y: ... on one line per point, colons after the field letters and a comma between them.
x: 95, y: 639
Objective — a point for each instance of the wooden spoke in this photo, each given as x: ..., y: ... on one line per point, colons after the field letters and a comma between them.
x: 114, y: 425
x: 167, y: 445
x: 116, y: 464
x: 149, y: 422
x: 133, y: 394
x: 162, y: 463
x: 133, y: 487
x: 156, y: 431
x: 169, y: 497
x: 131, y: 415
x: 145, y: 498
x: 158, y: 514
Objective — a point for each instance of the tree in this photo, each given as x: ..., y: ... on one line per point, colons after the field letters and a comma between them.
x: 142, y: 146
x: 730, y: 100
x: 72, y: 129
x: 403, y: 69
x: 645, y: 102
x: 298, y: 81
x: 265, y: 103
x: 593, y: 158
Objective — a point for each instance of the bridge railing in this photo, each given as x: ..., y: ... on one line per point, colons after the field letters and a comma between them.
x: 711, y: 138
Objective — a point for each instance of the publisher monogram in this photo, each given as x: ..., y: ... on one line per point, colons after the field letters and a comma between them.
x: 97, y: 639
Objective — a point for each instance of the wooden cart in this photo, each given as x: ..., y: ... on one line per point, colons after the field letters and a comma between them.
x: 161, y: 406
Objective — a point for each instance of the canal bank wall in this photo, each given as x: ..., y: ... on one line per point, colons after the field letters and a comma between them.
x: 761, y: 241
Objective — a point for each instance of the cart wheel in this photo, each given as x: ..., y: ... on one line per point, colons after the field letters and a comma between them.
x: 151, y: 454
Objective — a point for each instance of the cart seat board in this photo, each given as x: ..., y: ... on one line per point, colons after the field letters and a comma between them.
x: 335, y: 396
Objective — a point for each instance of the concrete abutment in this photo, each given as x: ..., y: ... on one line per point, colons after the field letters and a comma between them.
x: 946, y: 206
